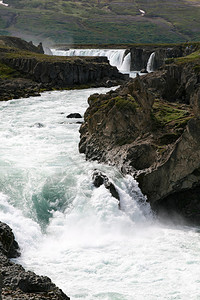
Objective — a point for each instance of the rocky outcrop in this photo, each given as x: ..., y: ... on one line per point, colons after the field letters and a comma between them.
x: 15, y: 282
x: 18, y: 87
x: 8, y: 245
x: 74, y: 115
x: 101, y: 179
x: 150, y: 128
x: 177, y: 180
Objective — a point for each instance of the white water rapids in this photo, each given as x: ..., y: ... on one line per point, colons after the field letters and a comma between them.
x: 75, y: 233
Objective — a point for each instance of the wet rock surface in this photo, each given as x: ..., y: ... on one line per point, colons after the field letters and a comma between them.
x: 15, y: 282
x: 74, y: 115
x: 101, y: 179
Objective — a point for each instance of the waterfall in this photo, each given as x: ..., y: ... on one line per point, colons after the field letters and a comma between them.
x: 116, y: 57
x: 126, y: 64
x: 150, y: 62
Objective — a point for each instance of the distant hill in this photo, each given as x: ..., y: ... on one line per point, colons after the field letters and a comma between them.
x: 102, y: 21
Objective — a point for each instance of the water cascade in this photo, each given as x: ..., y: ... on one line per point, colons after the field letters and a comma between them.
x: 150, y: 62
x: 126, y: 64
x: 116, y: 57
x: 75, y: 233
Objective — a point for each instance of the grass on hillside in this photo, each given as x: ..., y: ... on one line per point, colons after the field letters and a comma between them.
x: 103, y: 21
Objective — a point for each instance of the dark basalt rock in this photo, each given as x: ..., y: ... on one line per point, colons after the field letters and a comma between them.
x: 28, y: 282
x: 15, y: 282
x: 74, y: 115
x: 101, y: 179
x: 59, y: 73
x: 8, y: 245
x: 185, y: 203
x: 17, y: 88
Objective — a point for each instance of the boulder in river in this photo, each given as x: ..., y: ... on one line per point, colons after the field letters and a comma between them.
x: 101, y: 179
x: 74, y: 115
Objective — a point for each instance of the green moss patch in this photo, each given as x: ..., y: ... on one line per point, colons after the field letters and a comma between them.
x: 7, y: 72
x: 165, y: 113
x: 193, y: 57
x: 125, y: 104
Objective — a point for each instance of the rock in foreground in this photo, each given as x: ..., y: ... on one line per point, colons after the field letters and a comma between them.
x: 16, y: 283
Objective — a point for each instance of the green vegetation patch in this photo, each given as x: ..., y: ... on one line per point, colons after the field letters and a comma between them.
x: 193, y: 57
x: 102, y: 21
x: 7, y: 72
x: 125, y: 104
x: 166, y: 113
x: 104, y: 104
x: 169, y: 121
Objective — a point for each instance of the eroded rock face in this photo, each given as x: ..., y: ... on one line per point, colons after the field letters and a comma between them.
x: 73, y: 71
x: 180, y: 172
x: 150, y: 128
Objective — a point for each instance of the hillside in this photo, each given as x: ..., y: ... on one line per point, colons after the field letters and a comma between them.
x: 102, y: 21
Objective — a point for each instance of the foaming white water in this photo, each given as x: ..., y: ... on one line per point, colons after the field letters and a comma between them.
x: 75, y: 233
x: 150, y: 62
x: 116, y: 57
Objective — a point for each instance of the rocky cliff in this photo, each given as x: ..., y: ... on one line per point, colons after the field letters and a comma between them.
x: 150, y: 128
x: 64, y: 72
x: 140, y: 54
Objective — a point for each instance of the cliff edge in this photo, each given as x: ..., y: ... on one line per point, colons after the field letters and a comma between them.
x: 150, y: 128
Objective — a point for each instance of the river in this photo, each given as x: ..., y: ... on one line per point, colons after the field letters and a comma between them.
x: 73, y: 232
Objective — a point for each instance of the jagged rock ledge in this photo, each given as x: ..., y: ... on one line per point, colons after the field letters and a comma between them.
x: 15, y: 282
x: 150, y: 128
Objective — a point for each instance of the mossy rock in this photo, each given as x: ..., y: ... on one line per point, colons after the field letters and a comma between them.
x: 7, y: 72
